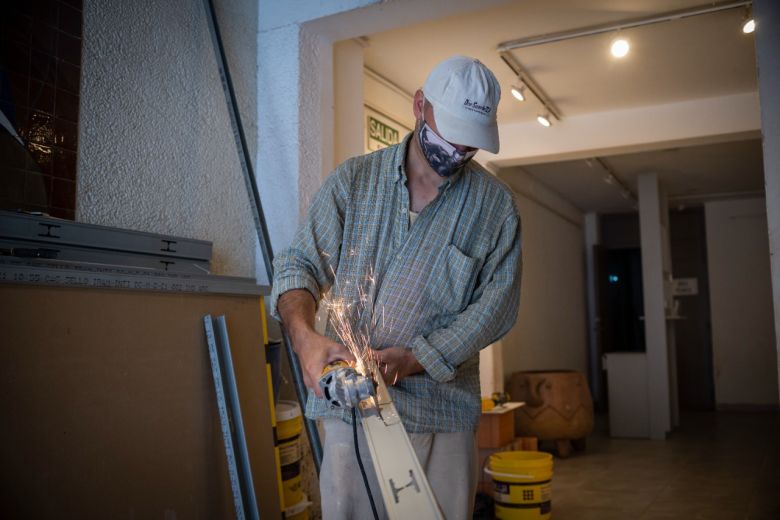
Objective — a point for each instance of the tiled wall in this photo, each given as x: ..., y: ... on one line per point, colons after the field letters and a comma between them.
x: 40, y: 69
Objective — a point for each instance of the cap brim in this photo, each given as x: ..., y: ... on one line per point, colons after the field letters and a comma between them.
x: 464, y: 132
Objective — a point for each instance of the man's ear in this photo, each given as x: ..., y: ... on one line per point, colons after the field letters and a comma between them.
x: 417, y: 104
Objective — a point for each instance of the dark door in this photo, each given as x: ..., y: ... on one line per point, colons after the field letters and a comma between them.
x: 693, y: 333
x: 623, y: 327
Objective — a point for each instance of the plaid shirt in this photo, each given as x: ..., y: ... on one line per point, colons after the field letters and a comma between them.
x: 445, y: 287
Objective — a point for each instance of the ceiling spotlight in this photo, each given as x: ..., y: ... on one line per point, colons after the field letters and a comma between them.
x: 748, y: 22
x: 609, y: 179
x: 544, y: 120
x: 519, y: 92
x: 619, y: 48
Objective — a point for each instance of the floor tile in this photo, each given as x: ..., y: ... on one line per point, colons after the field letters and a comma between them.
x: 716, y: 466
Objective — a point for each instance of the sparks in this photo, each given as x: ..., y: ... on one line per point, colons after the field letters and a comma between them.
x: 353, y: 321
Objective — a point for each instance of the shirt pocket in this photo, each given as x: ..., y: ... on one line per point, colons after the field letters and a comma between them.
x: 452, y: 281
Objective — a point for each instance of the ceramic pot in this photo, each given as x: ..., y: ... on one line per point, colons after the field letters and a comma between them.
x: 558, y: 404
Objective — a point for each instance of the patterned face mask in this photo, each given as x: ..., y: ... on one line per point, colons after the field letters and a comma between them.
x: 444, y: 158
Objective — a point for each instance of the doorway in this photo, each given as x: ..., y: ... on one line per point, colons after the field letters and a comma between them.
x: 624, y: 329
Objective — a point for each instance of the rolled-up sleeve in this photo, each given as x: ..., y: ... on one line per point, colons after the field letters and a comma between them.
x: 312, y: 259
x: 491, y: 313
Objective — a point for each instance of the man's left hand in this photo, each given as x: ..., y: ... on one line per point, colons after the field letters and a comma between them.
x: 396, y: 363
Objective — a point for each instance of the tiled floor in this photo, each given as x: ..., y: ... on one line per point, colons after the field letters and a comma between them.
x: 715, y: 466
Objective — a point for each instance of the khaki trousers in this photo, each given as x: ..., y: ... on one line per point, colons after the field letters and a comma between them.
x: 448, y: 459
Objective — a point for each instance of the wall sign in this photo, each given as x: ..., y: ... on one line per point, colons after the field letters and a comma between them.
x: 382, y: 131
x: 685, y: 287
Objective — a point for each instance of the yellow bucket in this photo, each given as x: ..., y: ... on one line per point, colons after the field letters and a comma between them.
x: 299, y: 511
x: 522, y: 484
x: 289, y: 425
x: 291, y: 484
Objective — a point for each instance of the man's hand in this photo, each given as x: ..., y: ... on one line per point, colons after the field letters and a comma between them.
x: 315, y: 352
x: 296, y: 308
x: 396, y: 363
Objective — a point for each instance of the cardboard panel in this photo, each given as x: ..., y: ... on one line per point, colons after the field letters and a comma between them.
x: 108, y: 406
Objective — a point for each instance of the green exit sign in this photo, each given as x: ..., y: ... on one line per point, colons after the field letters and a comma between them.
x: 381, y: 134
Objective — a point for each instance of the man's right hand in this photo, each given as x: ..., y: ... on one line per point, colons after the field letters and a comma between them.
x: 296, y: 308
x: 315, y: 352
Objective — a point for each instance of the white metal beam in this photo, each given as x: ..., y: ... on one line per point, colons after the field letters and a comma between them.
x: 698, y: 121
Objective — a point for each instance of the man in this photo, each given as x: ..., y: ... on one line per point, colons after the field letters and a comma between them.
x: 429, y: 242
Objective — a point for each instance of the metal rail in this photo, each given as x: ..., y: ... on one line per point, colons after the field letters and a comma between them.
x: 523, y: 75
x: 239, y: 470
x: 258, y: 215
x: 617, y: 26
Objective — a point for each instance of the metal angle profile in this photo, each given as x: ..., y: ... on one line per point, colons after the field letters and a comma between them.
x: 239, y: 470
x: 405, y: 489
x: 54, y: 232
x: 99, y: 276
x: 33, y: 249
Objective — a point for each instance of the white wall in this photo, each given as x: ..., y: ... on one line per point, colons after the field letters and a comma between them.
x: 156, y: 152
x: 743, y: 338
x: 551, y: 328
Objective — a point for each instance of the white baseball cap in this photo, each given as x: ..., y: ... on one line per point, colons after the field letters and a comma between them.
x: 465, y: 94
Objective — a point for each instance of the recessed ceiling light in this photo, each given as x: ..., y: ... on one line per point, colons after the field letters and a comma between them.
x: 749, y: 26
x: 544, y: 120
x: 619, y: 48
x: 518, y: 92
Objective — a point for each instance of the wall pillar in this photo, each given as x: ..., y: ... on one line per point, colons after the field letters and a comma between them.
x: 656, y: 270
x: 348, y: 95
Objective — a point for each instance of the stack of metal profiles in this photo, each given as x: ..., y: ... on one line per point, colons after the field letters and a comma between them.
x: 39, y: 249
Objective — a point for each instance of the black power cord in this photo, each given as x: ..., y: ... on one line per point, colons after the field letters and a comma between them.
x: 360, y: 463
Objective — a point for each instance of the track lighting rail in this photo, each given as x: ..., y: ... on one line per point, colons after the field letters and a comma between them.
x: 621, y: 25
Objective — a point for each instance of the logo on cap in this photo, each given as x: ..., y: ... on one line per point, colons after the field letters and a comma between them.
x: 476, y: 107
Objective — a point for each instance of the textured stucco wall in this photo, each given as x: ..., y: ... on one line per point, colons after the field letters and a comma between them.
x: 156, y: 150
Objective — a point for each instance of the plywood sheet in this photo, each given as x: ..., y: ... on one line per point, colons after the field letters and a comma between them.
x: 108, y: 407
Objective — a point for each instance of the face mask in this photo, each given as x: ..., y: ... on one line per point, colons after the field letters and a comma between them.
x: 444, y: 158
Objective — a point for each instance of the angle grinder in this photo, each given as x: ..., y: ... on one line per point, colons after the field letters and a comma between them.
x: 344, y: 387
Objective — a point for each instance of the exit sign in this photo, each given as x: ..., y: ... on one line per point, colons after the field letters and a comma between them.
x: 381, y: 135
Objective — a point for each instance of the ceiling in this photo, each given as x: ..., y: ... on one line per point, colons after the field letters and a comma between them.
x: 689, y: 175
x: 699, y: 57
